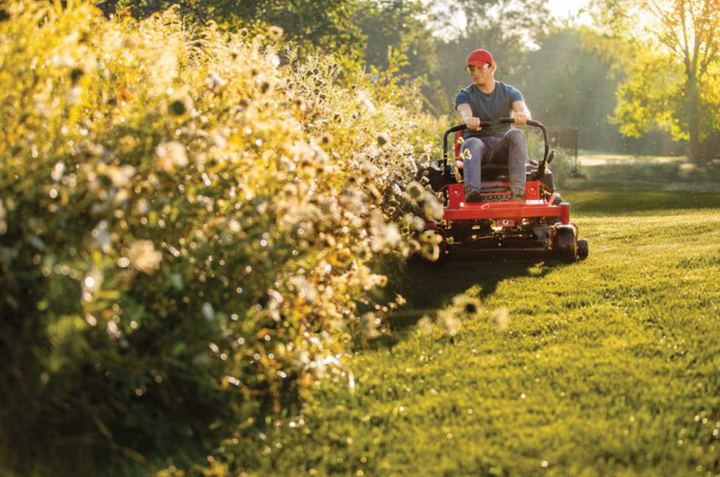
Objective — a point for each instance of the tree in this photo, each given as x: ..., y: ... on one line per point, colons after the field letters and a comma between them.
x: 399, y: 42
x: 567, y: 85
x: 506, y: 28
x: 400, y: 25
x: 673, y: 46
x: 326, y: 25
x: 513, y: 20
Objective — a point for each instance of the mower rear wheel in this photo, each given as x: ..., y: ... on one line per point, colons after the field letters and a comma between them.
x: 583, y: 249
x: 566, y: 244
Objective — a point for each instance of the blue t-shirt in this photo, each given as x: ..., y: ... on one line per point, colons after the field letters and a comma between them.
x: 489, y: 107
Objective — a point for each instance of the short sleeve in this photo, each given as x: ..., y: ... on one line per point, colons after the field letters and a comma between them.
x: 514, y: 95
x: 462, y: 98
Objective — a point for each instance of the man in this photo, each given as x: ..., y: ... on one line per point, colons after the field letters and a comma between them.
x: 489, y: 100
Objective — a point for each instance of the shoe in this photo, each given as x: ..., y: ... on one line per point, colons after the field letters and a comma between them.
x: 473, y: 196
x: 517, y: 197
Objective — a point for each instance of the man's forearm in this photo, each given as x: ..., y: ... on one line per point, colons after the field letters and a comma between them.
x: 465, y: 112
x: 520, y: 107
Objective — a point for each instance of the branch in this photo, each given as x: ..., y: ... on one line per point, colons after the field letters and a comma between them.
x: 671, y: 36
x: 666, y: 33
x: 686, y: 46
x: 666, y: 22
x: 698, y: 34
x: 710, y: 53
x: 710, y: 14
x: 656, y: 10
x: 672, y: 45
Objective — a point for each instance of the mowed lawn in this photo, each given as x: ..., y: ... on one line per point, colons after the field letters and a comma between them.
x: 608, y: 367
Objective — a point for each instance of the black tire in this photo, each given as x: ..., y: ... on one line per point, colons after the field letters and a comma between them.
x: 583, y: 249
x: 566, y: 244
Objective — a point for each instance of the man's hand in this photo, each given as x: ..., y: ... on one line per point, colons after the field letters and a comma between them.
x: 521, y: 114
x: 520, y: 117
x: 466, y: 116
x: 472, y: 123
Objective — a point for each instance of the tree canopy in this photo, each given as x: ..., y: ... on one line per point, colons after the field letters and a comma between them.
x: 326, y: 25
x: 670, y: 50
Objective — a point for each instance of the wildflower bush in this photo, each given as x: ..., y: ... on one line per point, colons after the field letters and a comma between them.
x: 190, y: 230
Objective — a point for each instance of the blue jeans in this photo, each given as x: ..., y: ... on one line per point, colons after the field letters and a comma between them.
x: 510, y: 148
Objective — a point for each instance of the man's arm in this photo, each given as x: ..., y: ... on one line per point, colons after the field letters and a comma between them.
x: 466, y: 116
x: 521, y: 113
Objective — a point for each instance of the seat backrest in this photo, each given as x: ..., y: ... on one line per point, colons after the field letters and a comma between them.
x: 458, y: 135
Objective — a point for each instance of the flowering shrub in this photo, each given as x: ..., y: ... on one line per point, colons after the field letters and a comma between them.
x: 187, y: 227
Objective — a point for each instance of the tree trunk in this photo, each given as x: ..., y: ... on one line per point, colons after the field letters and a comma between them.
x: 695, y: 152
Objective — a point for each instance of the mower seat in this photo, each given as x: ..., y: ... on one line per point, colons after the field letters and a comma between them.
x: 498, y: 172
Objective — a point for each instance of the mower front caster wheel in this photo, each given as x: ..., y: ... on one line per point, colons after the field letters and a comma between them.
x: 583, y: 249
x: 566, y: 243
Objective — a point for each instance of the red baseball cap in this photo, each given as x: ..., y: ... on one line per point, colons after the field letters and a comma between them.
x: 479, y: 58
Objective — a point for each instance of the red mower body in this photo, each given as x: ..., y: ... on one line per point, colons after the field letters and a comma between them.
x: 506, y: 213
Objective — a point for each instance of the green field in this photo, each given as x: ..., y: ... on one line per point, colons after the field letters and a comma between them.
x: 608, y: 367
x: 651, y: 173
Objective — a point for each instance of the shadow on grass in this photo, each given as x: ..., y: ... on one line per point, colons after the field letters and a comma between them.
x: 675, y: 172
x: 429, y: 287
x: 644, y: 185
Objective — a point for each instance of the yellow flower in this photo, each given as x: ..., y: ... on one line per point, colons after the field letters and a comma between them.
x: 425, y: 325
x: 431, y: 237
x: 383, y: 139
x: 171, y: 154
x: 433, y: 208
x: 450, y: 323
x: 370, y: 325
x: 275, y: 33
x: 501, y: 318
x: 119, y: 176
x: 466, y: 304
x: 144, y: 257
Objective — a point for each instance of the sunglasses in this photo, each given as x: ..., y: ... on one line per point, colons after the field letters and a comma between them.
x: 473, y: 67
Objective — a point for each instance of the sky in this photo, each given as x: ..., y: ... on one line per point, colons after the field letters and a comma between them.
x: 563, y: 8
x: 560, y: 9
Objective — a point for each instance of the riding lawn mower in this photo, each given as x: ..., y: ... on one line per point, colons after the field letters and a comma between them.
x: 538, y: 225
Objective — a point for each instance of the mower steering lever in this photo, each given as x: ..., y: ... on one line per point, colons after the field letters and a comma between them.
x: 529, y: 122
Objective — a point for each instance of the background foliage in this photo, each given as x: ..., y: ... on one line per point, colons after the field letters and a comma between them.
x: 325, y: 26
x: 602, y: 77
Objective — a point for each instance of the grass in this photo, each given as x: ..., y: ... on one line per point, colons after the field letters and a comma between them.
x: 632, y: 173
x: 609, y: 366
x: 595, y: 156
